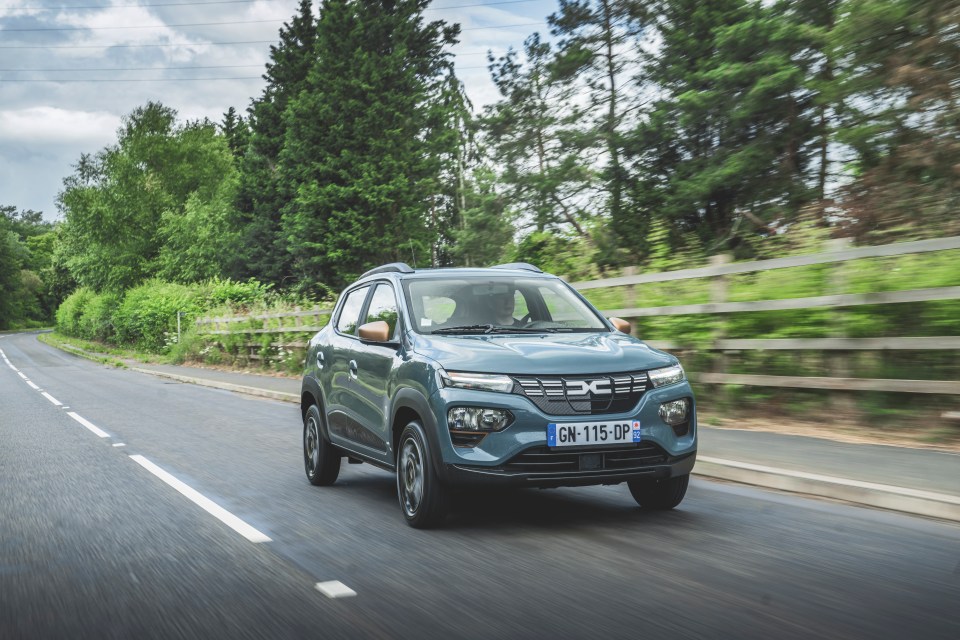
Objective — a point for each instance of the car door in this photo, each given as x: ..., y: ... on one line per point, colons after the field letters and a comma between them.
x: 375, y: 365
x: 342, y: 420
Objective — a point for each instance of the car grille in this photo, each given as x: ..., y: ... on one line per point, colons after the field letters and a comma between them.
x: 583, y: 395
x: 544, y: 460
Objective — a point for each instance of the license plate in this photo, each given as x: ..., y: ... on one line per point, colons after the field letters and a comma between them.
x: 579, y: 434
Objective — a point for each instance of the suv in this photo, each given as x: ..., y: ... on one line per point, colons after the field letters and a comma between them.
x: 500, y: 376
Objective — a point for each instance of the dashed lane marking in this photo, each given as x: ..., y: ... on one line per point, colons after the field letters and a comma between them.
x: 335, y: 589
x: 51, y: 398
x: 205, y: 503
x: 33, y: 386
x: 89, y: 425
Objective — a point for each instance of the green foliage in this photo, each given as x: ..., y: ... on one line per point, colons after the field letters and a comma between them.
x: 147, y: 317
x: 71, y: 310
x: 485, y: 234
x: 532, y: 133
x: 557, y: 254
x: 25, y: 258
x: 153, y: 204
x: 96, y: 317
x: 360, y: 156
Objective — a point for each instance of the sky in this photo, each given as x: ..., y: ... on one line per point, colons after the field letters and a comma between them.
x: 71, y: 69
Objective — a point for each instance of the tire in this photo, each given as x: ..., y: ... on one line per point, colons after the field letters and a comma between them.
x: 659, y: 495
x: 423, y: 499
x: 321, y: 460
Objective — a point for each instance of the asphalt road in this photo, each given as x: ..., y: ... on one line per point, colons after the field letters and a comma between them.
x: 95, y: 545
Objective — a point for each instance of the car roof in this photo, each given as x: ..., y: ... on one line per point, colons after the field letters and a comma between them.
x: 403, y: 271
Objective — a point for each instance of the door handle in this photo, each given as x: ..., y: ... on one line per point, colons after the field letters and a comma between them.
x: 320, y: 361
x: 353, y: 368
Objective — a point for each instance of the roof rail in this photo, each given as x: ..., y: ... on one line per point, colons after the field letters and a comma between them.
x: 525, y: 266
x: 393, y: 267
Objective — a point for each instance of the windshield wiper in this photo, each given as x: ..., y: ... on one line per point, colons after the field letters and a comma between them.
x: 466, y: 328
x: 488, y: 328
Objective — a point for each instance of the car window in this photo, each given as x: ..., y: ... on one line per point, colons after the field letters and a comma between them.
x: 347, y: 322
x: 560, y: 306
x: 383, y: 306
x: 447, y: 304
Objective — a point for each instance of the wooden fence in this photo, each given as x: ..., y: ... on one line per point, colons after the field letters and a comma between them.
x: 305, y: 323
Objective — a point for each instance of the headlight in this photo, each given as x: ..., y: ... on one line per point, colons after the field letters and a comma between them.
x: 478, y: 419
x: 481, y: 381
x: 665, y: 376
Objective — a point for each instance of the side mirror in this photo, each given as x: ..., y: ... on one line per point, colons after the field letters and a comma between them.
x: 619, y: 324
x: 378, y: 331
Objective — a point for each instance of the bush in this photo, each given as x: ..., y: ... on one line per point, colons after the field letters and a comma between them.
x: 96, y: 317
x: 147, y: 317
x: 234, y: 293
x: 71, y: 310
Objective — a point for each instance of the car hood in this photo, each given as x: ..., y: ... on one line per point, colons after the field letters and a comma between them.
x: 557, y: 353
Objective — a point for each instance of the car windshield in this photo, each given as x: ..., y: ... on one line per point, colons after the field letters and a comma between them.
x: 497, y: 304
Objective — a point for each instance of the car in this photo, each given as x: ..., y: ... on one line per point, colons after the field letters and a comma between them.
x: 455, y: 378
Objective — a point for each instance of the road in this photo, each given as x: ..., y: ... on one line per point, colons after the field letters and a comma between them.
x: 94, y: 544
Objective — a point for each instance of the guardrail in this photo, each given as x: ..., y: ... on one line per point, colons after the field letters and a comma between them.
x: 296, y: 322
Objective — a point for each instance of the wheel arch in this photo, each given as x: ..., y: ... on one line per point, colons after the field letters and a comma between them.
x: 408, y: 405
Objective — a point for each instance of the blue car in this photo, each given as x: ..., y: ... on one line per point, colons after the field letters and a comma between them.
x: 454, y: 378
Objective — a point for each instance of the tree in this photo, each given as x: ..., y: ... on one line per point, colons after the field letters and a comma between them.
x: 532, y: 136
x: 901, y: 117
x: 360, y: 151
x: 599, y: 48
x: 263, y: 193
x: 124, y: 206
x: 727, y: 138
x: 237, y: 132
x: 25, y: 255
x: 485, y: 232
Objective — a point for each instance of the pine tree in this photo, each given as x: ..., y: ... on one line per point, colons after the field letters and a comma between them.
x: 360, y: 150
x: 532, y: 135
x: 898, y: 74
x: 262, y: 193
x: 599, y: 49
x: 728, y: 138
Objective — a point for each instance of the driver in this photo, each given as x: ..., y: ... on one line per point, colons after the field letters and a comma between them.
x: 503, y: 305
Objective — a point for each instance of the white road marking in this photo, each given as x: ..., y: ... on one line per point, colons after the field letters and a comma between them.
x: 119, y: 444
x: 335, y: 589
x: 89, y: 425
x: 51, y: 398
x: 204, y: 502
x: 33, y: 386
x: 22, y: 375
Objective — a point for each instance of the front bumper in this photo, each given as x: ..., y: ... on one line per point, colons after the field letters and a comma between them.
x: 544, y: 468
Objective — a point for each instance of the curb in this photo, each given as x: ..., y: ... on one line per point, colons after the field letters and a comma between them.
x: 226, y: 386
x: 913, y: 501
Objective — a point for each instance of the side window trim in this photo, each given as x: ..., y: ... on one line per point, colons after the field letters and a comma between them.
x: 363, y: 309
x: 373, y: 291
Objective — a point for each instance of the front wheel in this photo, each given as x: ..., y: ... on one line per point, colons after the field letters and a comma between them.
x: 659, y: 495
x: 321, y: 460
x: 423, y: 498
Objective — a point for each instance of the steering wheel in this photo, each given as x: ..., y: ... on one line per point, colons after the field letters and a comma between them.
x: 524, y: 320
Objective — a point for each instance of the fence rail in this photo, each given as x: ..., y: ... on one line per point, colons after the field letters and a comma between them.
x: 717, y: 273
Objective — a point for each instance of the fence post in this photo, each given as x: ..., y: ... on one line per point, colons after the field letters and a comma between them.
x: 718, y: 294
x: 838, y: 362
x: 630, y: 297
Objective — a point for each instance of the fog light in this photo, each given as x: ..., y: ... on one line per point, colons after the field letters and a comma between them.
x: 675, y: 412
x: 478, y: 419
